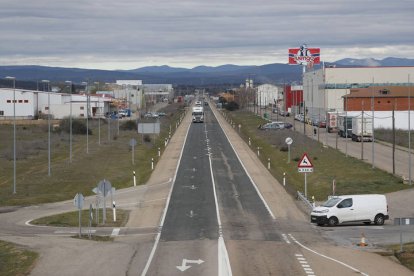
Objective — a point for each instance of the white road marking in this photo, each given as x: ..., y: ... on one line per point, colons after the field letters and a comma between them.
x: 224, y: 267
x: 285, y: 238
x: 326, y: 257
x: 302, y: 260
x: 157, y: 238
x: 115, y: 232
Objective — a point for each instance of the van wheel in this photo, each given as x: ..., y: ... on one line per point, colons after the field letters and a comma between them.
x: 379, y: 219
x: 333, y: 221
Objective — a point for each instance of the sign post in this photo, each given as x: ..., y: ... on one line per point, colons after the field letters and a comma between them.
x: 133, y: 143
x: 289, y: 142
x: 78, y: 202
x: 105, y: 187
x: 305, y: 166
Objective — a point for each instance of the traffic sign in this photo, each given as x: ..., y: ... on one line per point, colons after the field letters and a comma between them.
x: 289, y: 141
x: 78, y: 201
x: 305, y: 162
x: 104, y: 186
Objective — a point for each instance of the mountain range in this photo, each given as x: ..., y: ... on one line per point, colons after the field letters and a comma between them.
x: 200, y: 75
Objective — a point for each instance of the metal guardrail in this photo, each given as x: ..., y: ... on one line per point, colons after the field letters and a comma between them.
x: 305, y: 200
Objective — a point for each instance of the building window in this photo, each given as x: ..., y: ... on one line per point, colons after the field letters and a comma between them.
x: 82, y: 115
x: 26, y: 101
x: 1, y: 112
x: 46, y: 108
x: 20, y: 101
x: 379, y: 101
x: 82, y: 108
x: 8, y: 101
x: 388, y: 101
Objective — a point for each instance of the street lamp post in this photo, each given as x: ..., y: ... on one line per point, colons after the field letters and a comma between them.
x: 87, y: 116
x: 70, y: 122
x: 14, y: 132
x: 48, y: 125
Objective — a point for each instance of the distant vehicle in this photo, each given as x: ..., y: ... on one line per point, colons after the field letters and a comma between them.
x: 125, y: 113
x: 284, y: 113
x: 362, y: 129
x: 198, y: 114
x: 205, y: 103
x: 161, y: 114
x: 345, y: 125
x: 332, y: 121
x: 271, y: 126
x: 299, y: 117
x: 198, y: 103
x: 276, y: 125
x: 151, y: 115
x: 351, y: 208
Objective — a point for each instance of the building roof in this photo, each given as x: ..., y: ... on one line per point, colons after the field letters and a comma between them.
x: 382, y: 92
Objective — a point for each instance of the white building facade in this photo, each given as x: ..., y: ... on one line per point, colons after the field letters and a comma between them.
x: 268, y: 94
x: 30, y: 104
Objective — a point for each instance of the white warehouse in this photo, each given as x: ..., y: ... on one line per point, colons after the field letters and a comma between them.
x: 268, y: 94
x: 30, y: 104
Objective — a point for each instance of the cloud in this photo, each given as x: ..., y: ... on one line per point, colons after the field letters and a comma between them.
x: 128, y: 34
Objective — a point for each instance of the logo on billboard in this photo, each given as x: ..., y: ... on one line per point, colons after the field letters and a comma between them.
x: 304, y: 55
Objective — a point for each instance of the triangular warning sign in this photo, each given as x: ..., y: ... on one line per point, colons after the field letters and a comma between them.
x: 305, y: 162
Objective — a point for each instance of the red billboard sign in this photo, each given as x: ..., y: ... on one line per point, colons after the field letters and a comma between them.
x: 304, y: 55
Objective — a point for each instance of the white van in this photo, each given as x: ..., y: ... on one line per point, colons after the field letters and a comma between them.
x: 351, y: 208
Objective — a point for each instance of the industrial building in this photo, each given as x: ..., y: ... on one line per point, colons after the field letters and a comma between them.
x: 324, y: 89
x: 31, y: 104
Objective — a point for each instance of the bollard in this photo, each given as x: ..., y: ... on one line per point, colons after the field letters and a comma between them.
x: 135, y: 179
x: 159, y: 152
x: 250, y: 142
x: 284, y: 179
x: 268, y: 163
x: 152, y: 163
x: 114, y: 210
x: 258, y: 152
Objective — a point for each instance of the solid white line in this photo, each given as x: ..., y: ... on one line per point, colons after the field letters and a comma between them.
x: 157, y: 238
x: 115, y: 232
x: 247, y: 173
x: 329, y: 258
x: 224, y: 267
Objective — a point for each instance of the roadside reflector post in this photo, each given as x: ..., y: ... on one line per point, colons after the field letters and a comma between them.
x: 152, y: 163
x: 284, y: 179
x: 135, y: 179
x: 159, y: 152
x: 258, y: 152
x: 250, y: 142
x: 268, y: 163
x: 114, y: 210
x: 239, y: 127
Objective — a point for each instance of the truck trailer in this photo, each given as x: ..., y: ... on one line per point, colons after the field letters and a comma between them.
x: 345, y: 125
x: 362, y: 129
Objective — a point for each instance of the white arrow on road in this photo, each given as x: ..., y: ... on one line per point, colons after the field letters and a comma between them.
x: 183, y: 267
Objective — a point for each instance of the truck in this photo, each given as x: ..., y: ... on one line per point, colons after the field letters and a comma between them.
x: 332, y: 121
x: 366, y: 208
x: 362, y: 129
x: 198, y: 114
x: 344, y: 125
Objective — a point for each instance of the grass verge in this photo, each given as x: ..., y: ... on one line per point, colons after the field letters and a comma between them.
x: 15, y: 260
x: 71, y: 219
x: 351, y: 175
x: 406, y: 257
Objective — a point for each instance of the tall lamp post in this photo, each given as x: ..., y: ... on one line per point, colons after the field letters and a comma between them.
x: 48, y: 125
x: 87, y: 116
x: 70, y: 123
x: 14, y: 131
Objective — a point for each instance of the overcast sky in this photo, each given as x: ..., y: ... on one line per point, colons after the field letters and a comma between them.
x: 128, y: 34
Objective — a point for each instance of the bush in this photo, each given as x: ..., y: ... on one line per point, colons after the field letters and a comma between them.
x: 147, y: 138
x: 129, y: 125
x: 231, y: 106
x: 78, y: 126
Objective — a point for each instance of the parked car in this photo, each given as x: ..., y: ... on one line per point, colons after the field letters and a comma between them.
x: 271, y: 126
x: 299, y: 117
x: 151, y: 115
